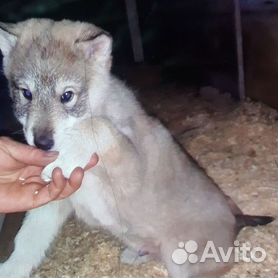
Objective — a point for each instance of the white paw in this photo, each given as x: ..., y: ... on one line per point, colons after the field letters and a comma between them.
x: 132, y: 257
x: 15, y: 270
x: 46, y: 174
x: 66, y: 163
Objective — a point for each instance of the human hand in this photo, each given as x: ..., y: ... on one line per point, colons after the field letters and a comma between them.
x: 21, y: 187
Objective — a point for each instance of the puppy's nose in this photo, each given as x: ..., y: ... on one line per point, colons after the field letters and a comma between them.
x: 44, y: 142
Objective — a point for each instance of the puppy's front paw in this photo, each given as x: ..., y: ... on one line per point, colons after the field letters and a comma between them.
x: 46, y: 174
x: 15, y: 270
x: 66, y: 168
x: 67, y: 165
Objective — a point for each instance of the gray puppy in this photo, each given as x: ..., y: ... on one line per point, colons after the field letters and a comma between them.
x: 145, y: 189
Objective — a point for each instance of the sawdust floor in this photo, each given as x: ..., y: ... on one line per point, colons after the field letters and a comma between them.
x: 235, y: 143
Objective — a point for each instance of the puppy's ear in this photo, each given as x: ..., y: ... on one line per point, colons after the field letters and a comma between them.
x: 97, y: 46
x: 7, y: 38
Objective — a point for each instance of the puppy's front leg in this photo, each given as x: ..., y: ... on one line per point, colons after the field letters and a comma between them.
x: 75, y: 148
x: 33, y: 239
x: 96, y: 135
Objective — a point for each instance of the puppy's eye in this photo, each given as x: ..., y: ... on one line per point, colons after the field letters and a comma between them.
x: 67, y: 96
x: 27, y: 94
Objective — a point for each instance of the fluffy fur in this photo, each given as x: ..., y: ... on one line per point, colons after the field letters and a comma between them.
x: 145, y: 189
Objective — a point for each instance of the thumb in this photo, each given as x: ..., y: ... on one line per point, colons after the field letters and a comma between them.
x: 27, y: 154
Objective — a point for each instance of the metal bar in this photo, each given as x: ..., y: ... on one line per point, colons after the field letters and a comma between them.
x: 134, y: 29
x: 239, y: 49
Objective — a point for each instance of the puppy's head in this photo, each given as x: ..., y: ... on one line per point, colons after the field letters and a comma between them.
x: 54, y: 69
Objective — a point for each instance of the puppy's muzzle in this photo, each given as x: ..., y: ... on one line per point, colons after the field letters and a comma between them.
x: 44, y: 141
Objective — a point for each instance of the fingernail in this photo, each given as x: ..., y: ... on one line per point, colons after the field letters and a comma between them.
x: 51, y: 153
x: 78, y: 169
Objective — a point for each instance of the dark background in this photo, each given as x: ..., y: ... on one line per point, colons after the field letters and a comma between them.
x: 190, y: 42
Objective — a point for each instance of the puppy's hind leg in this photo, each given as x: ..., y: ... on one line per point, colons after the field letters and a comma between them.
x: 33, y: 239
x: 133, y: 257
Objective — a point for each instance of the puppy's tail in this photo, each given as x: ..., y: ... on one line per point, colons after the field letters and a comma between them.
x: 243, y: 220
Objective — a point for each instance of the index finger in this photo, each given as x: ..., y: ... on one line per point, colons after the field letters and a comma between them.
x: 27, y: 154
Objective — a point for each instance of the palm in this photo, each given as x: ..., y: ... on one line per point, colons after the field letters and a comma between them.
x: 13, y: 170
